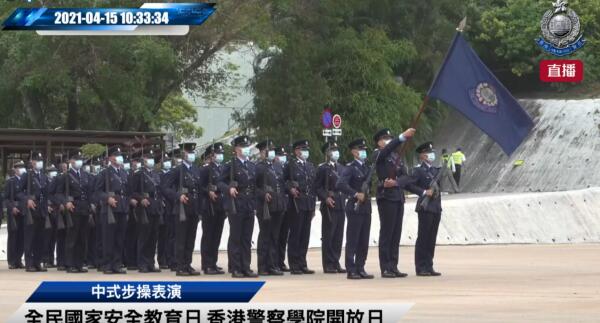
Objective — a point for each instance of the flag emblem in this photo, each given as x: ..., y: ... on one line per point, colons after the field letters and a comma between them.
x: 484, y: 97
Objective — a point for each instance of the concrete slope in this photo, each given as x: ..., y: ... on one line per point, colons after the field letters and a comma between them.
x: 561, y: 153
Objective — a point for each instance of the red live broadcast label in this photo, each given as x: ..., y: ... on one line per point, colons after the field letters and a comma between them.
x: 561, y: 70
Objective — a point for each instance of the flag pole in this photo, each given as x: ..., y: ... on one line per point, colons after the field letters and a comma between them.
x: 417, y: 118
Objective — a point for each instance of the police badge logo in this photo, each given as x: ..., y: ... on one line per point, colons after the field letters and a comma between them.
x: 484, y: 97
x: 561, y: 30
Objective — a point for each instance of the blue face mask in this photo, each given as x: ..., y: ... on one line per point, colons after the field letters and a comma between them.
x: 167, y: 165
x: 362, y: 155
x: 78, y: 164
x: 271, y: 155
x: 191, y: 157
x: 304, y: 154
x: 282, y: 159
x: 39, y: 165
x: 22, y: 171
x: 335, y: 155
x: 119, y: 160
x: 150, y: 163
x: 246, y: 152
x: 219, y: 158
x: 52, y: 174
x: 127, y: 166
x: 431, y: 156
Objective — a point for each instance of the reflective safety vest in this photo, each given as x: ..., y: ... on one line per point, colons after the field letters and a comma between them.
x: 449, y: 162
x: 458, y: 157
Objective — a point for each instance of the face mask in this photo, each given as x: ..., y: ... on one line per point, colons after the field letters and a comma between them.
x: 127, y: 166
x: 119, y: 160
x: 304, y: 154
x: 77, y: 164
x: 190, y: 158
x: 386, y: 141
x: 52, y: 174
x: 219, y: 158
x: 282, y: 159
x: 246, y: 152
x: 39, y: 165
x: 21, y: 171
x: 166, y: 165
x: 96, y: 169
x: 335, y: 155
x: 362, y: 155
x: 150, y: 163
x: 178, y: 161
x: 271, y: 155
x: 431, y: 157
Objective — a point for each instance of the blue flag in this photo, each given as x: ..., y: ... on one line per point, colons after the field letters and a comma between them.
x: 466, y: 84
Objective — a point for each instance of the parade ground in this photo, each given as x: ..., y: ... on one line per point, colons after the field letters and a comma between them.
x: 487, y: 283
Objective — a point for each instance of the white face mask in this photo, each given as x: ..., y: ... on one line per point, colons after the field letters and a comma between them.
x: 167, y: 164
x: 96, y: 169
x: 127, y: 166
x: 386, y: 141
x: 39, y: 165
x: 335, y: 155
x: 282, y: 159
x: 52, y: 174
x: 246, y: 152
x: 77, y: 164
x: 21, y: 171
x: 219, y: 158
x: 362, y: 155
x: 304, y: 154
x: 431, y: 156
x: 150, y: 163
x: 119, y: 160
x: 271, y: 155
x: 191, y: 158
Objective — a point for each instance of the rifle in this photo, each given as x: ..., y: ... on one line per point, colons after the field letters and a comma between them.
x: 365, y: 187
x: 268, y: 190
x: 161, y: 217
x: 329, y: 193
x: 435, y: 188
x: 232, y: 183
x: 68, y: 217
x: 143, y: 214
x: 28, y: 216
x: 47, y: 223
x: 182, y: 191
x: 109, y: 211
x: 211, y: 188
x: 294, y: 183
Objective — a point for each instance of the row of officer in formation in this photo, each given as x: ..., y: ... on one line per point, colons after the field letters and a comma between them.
x: 132, y: 218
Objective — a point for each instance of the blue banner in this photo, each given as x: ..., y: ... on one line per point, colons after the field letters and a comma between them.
x: 155, y: 14
x: 145, y: 292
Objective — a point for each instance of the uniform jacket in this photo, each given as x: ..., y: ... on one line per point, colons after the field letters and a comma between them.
x: 118, y: 183
x: 333, y: 171
x: 150, y: 188
x: 192, y: 176
x: 214, y: 171
x: 424, y: 175
x: 80, y: 189
x: 302, y: 173
x: 245, y: 176
x: 386, y: 167
x: 353, y: 176
x: 38, y: 192
x: 269, y: 178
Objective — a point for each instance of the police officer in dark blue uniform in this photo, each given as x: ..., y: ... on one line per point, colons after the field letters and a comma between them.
x: 214, y: 219
x: 358, y: 210
x: 393, y: 179
x: 182, y: 187
x: 15, y: 217
x: 300, y: 176
x: 50, y: 241
x: 429, y: 213
x: 130, y: 256
x: 34, y: 197
x: 93, y: 257
x: 332, y: 209
x: 272, y: 204
x: 164, y: 249
x: 238, y: 179
x: 77, y: 203
x: 112, y: 192
x: 149, y: 208
x: 284, y: 229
